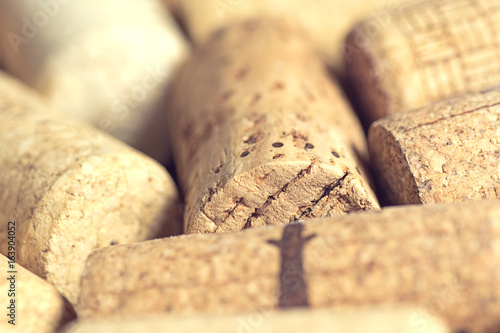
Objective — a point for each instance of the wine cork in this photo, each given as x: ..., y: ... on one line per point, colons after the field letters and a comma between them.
x: 262, y: 138
x: 428, y: 51
x: 105, y: 62
x: 375, y: 320
x: 325, y: 21
x: 442, y: 258
x: 445, y: 152
x: 30, y: 304
x: 72, y: 189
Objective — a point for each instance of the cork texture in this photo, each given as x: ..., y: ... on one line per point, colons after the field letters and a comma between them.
x: 445, y: 152
x: 375, y: 320
x: 442, y: 258
x: 325, y: 21
x: 263, y: 138
x: 72, y: 189
x: 39, y: 308
x: 428, y: 51
x: 105, y: 62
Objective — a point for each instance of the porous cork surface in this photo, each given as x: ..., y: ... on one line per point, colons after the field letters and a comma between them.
x: 263, y: 138
x: 359, y: 319
x: 72, y: 189
x: 425, y: 52
x: 39, y: 308
x: 106, y: 63
x: 445, y: 152
x: 442, y: 258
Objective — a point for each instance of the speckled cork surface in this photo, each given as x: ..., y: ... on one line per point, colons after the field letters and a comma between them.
x: 263, y: 138
x: 364, y: 319
x: 442, y: 258
x: 106, y: 63
x: 38, y: 307
x: 445, y: 152
x: 72, y: 189
x: 428, y: 51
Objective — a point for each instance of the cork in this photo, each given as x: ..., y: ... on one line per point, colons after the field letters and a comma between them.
x: 326, y: 22
x: 444, y: 152
x: 442, y: 258
x: 262, y: 138
x: 35, y: 305
x: 72, y: 189
x: 359, y: 319
x: 106, y: 63
x: 428, y: 51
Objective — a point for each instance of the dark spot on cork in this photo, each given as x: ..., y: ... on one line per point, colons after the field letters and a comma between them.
x: 254, y: 138
x: 301, y: 117
x: 245, y: 153
x: 150, y: 179
x: 357, y: 170
x: 278, y: 156
x: 308, y: 146
x: 334, y: 153
x: 461, y: 330
x: 241, y: 73
x: 278, y: 85
x: 217, y: 170
x: 113, y: 242
x: 277, y: 145
x: 256, y: 97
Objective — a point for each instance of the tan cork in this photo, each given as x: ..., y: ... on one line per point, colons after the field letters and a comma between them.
x: 106, y: 62
x: 428, y: 51
x: 363, y: 319
x: 263, y: 138
x: 72, y: 189
x: 445, y: 152
x: 326, y: 22
x: 37, y: 306
x: 442, y: 258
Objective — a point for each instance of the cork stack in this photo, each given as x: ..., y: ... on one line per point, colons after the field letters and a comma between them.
x: 430, y: 50
x: 105, y: 62
x: 72, y: 189
x: 445, y: 152
x: 442, y: 258
x: 374, y: 320
x: 38, y: 307
x: 263, y: 138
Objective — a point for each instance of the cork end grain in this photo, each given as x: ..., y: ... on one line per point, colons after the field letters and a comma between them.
x: 445, y: 152
x: 277, y: 193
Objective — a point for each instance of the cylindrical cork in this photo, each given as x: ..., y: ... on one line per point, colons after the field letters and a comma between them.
x: 30, y: 304
x: 325, y: 21
x: 105, y: 62
x: 445, y: 152
x: 263, y: 138
x: 443, y: 258
x: 72, y: 189
x: 374, y: 320
x: 427, y: 51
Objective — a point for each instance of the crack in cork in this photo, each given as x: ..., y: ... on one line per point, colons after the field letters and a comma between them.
x: 270, y: 199
x: 451, y: 116
x: 306, y: 210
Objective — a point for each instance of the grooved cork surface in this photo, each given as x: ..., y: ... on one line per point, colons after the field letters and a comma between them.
x: 443, y: 258
x: 39, y: 308
x: 72, y: 189
x: 105, y: 62
x: 325, y: 21
x: 428, y: 51
x: 445, y: 152
x: 263, y: 138
x: 375, y: 320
